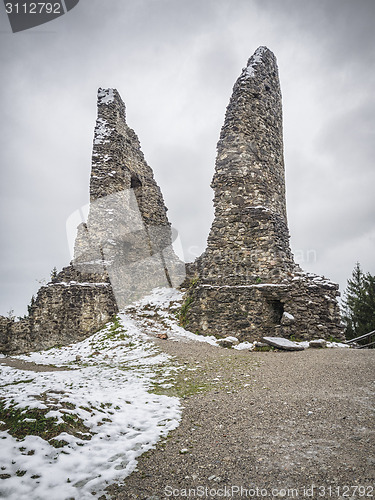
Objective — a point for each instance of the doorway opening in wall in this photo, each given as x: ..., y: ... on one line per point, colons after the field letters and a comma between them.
x: 277, y: 311
x: 136, y: 185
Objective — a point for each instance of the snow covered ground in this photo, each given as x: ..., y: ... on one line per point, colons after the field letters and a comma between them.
x: 105, y: 394
x: 100, y: 412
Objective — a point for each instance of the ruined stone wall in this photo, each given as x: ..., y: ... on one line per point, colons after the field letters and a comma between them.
x: 249, y: 238
x: 124, y: 197
x: 65, y: 310
x: 295, y: 309
x: 246, y: 283
x: 121, y: 252
x: 118, y: 163
x: 127, y: 234
x: 70, y: 311
x: 5, y: 326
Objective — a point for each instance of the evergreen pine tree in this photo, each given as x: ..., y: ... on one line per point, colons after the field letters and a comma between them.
x: 54, y: 273
x: 359, y: 304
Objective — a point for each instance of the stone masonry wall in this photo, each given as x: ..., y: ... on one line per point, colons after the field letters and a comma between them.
x: 249, y: 238
x: 123, y: 251
x: 65, y: 310
x: 246, y: 283
x: 293, y: 309
x: 127, y: 234
x: 5, y: 327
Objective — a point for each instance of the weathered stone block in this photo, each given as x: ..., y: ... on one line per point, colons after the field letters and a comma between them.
x: 284, y: 344
x: 318, y: 343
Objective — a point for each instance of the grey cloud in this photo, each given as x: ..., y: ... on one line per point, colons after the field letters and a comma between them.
x: 349, y: 139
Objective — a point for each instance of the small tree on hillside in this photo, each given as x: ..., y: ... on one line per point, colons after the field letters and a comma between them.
x: 359, y: 304
x: 53, y: 273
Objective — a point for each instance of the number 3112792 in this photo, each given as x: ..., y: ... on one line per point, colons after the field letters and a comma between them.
x: 33, y: 8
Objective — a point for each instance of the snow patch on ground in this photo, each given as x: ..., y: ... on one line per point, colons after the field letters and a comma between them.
x: 161, y: 297
x: 106, y: 386
x: 337, y: 344
x: 244, y: 346
x: 164, y: 302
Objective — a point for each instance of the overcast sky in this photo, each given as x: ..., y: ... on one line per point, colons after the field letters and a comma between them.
x: 174, y: 63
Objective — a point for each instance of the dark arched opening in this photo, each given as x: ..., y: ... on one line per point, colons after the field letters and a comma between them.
x: 136, y: 185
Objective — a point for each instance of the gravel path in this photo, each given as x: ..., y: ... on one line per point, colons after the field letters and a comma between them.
x: 277, y: 421
x: 19, y: 364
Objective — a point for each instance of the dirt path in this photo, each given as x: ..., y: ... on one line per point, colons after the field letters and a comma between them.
x: 272, y: 421
x: 19, y: 364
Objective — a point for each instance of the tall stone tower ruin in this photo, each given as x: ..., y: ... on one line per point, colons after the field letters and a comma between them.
x: 246, y: 283
x: 122, y: 252
x: 127, y: 236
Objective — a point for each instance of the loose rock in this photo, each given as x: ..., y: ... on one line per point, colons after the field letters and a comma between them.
x: 317, y: 343
x: 284, y: 344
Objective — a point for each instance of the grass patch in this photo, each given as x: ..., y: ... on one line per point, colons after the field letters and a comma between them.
x: 334, y: 339
x: 58, y: 443
x: 22, y: 422
x: 26, y: 381
x: 265, y: 348
x: 221, y: 374
x: 182, y: 315
x: 183, y: 386
x: 293, y: 338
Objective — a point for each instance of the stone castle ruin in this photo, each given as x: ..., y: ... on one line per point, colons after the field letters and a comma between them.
x: 245, y: 284
x: 122, y: 252
x: 127, y: 237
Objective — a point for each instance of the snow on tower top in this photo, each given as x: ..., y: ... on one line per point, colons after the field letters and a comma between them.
x: 255, y: 59
x: 105, y: 96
